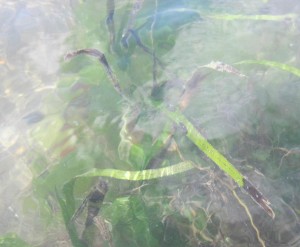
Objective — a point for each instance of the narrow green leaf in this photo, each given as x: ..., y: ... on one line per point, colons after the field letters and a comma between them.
x: 140, y: 175
x: 273, y: 64
x: 206, y: 147
x: 229, y: 17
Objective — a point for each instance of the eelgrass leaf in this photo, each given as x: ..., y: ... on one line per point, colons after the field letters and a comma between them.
x: 273, y: 64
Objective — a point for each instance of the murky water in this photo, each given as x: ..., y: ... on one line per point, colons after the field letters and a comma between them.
x: 32, y: 42
x: 230, y: 67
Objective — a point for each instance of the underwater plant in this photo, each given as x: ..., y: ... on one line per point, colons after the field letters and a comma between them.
x: 133, y: 167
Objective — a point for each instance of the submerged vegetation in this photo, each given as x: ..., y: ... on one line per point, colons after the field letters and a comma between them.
x: 146, y: 151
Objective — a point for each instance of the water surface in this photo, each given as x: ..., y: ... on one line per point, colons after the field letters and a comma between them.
x: 230, y: 67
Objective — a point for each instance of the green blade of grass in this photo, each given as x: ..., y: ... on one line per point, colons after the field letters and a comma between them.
x: 199, y: 140
x: 273, y: 64
x: 229, y: 17
x: 139, y: 175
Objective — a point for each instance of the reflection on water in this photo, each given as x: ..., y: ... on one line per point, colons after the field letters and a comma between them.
x: 61, y: 118
x: 32, y: 43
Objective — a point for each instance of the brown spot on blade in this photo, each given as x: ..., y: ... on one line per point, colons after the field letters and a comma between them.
x: 258, y: 197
